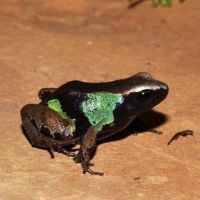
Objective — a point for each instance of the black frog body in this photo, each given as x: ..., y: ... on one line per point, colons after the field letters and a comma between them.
x: 80, y: 112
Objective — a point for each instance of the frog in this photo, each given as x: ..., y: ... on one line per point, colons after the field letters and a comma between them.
x: 83, y: 113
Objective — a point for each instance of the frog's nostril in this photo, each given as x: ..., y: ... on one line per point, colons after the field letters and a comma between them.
x: 165, y: 87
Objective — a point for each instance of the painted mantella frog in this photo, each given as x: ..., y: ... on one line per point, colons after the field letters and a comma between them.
x: 82, y: 113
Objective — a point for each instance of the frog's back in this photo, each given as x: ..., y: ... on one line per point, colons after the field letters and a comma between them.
x: 76, y: 98
x: 102, y: 110
x: 117, y: 86
x: 72, y: 94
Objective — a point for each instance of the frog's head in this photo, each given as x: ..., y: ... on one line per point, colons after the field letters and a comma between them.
x: 145, y: 93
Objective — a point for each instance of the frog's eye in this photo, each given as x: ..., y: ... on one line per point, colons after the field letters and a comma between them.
x: 145, y: 93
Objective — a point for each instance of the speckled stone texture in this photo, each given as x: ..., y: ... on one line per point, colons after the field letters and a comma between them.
x: 46, y: 43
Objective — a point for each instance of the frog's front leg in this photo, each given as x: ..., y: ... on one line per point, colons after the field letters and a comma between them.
x: 37, y: 117
x: 87, y: 147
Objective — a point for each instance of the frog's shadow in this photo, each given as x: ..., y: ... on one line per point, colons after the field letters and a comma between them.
x: 152, y: 120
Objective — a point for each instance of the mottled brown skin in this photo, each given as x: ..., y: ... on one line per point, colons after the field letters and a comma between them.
x: 46, y: 129
x: 45, y: 117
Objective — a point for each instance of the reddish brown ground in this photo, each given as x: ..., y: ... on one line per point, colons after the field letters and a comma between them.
x: 46, y: 43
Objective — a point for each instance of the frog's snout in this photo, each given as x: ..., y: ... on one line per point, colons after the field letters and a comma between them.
x: 163, y: 91
x: 164, y: 87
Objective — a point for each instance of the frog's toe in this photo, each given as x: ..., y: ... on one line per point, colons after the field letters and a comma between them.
x: 77, y: 158
x: 90, y: 171
x: 156, y: 131
x: 67, y: 153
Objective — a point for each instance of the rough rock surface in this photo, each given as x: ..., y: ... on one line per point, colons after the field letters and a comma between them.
x: 46, y: 43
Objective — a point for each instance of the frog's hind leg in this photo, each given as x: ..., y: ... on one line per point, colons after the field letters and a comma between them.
x: 44, y: 93
x: 31, y: 115
x: 87, y: 147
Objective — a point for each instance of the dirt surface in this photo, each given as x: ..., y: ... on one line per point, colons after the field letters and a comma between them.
x: 47, y: 43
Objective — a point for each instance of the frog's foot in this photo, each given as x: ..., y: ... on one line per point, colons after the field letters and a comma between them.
x: 77, y: 159
x: 63, y: 151
x: 67, y: 153
x: 86, y: 167
x: 51, y: 152
x: 87, y: 146
x: 90, y: 171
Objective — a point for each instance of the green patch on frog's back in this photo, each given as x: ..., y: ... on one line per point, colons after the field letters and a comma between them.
x: 99, y: 107
x: 55, y: 105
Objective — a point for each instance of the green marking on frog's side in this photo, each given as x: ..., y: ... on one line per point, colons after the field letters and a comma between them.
x: 99, y: 107
x: 55, y: 105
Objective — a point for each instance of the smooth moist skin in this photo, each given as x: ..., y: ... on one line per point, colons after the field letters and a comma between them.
x: 82, y: 113
x: 99, y: 108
